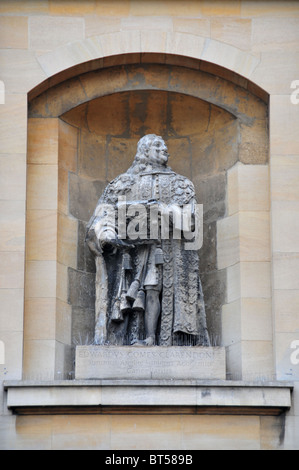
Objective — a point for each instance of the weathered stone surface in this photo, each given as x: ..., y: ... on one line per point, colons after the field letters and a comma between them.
x: 110, y: 362
x: 92, y: 155
x: 84, y: 194
x: 85, y: 259
x: 211, y: 192
x: 149, y: 392
x: 82, y: 325
x: 216, y: 150
x: 81, y: 288
x: 214, y: 288
x: 119, y: 152
x: 208, y: 252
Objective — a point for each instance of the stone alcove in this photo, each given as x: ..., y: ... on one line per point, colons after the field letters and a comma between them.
x: 82, y: 133
x: 201, y: 139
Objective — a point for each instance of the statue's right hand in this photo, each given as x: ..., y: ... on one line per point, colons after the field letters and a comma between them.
x: 109, y: 239
x: 119, y: 243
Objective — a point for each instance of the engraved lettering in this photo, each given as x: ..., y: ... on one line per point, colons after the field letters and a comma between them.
x: 154, y: 363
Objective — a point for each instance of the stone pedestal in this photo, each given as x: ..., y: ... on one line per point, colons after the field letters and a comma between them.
x: 126, y: 362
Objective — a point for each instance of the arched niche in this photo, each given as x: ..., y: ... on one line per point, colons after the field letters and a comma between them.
x: 83, y: 131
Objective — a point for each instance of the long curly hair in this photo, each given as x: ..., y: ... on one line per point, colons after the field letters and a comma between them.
x: 141, y: 161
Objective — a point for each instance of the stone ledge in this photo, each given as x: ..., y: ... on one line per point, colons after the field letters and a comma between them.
x: 147, y: 396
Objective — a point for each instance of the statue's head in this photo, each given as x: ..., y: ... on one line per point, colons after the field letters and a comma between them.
x: 151, y: 149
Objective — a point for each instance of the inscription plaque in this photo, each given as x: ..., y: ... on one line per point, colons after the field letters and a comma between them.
x: 125, y: 362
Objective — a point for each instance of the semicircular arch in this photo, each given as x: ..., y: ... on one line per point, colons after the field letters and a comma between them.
x: 132, y: 42
x: 122, y: 47
x: 88, y: 86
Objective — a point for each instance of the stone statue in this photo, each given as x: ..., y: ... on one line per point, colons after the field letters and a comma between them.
x: 148, y: 290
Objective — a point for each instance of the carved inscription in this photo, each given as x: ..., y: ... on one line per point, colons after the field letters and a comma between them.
x: 149, y: 363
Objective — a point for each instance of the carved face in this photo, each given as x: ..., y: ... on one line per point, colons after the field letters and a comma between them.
x: 158, y: 152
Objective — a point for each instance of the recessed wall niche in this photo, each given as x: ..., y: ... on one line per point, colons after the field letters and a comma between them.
x: 201, y: 139
x: 83, y: 133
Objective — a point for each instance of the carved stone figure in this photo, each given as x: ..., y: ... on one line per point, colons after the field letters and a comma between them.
x: 148, y: 289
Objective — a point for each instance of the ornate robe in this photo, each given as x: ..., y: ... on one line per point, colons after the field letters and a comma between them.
x: 182, y: 318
